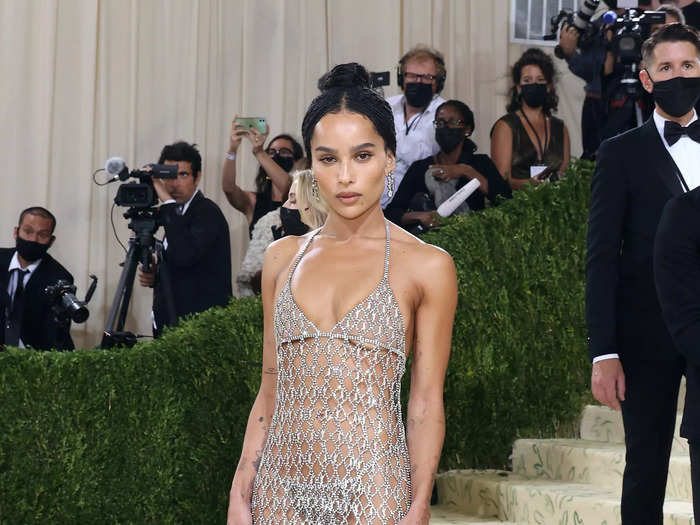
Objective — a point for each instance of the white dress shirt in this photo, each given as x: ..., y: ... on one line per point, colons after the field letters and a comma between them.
x: 415, y: 139
x: 12, y: 282
x: 686, y: 154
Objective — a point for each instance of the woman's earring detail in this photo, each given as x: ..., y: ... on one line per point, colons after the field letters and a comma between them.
x: 314, y: 189
x: 390, y: 184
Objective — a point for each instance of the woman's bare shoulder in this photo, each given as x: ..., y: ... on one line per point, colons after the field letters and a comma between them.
x: 418, y: 254
x: 279, y: 254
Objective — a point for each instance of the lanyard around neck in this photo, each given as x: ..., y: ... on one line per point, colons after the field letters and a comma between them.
x: 540, y: 149
x: 416, y: 119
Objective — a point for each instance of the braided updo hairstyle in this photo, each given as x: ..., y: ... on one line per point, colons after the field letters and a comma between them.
x: 346, y: 87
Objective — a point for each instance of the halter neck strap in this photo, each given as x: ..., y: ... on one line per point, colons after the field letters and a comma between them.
x: 385, y: 275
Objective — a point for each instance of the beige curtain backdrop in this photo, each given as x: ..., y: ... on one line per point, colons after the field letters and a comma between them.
x: 83, y: 80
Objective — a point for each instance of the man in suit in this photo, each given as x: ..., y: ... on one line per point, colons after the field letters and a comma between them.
x: 635, y: 366
x: 677, y: 274
x: 197, y: 251
x: 25, y: 271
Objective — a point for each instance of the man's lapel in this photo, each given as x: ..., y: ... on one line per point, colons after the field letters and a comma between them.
x: 662, y: 162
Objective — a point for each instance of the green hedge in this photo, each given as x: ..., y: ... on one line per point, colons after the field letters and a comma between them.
x: 519, y: 365
x: 152, y: 434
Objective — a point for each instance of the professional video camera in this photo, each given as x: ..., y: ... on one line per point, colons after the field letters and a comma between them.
x: 140, y: 194
x: 65, y: 306
x: 630, y: 30
x: 140, y: 197
x: 581, y: 21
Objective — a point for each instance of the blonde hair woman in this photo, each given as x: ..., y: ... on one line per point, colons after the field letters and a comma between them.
x: 299, y: 214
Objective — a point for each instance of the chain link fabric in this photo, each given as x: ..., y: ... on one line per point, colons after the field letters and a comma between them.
x: 336, y: 450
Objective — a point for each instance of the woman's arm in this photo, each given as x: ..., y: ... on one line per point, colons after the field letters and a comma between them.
x: 502, y: 153
x: 567, y: 152
x: 243, y: 201
x: 425, y: 421
x: 280, y: 178
x: 277, y: 258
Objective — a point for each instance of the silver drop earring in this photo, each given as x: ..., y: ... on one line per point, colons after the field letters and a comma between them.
x: 314, y: 189
x: 390, y: 184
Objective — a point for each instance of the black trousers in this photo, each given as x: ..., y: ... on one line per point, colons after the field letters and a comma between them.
x: 649, y: 417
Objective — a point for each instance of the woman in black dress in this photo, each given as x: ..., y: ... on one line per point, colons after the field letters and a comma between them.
x: 431, y: 181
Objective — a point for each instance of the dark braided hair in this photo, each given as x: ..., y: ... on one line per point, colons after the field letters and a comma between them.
x: 347, y: 88
x: 534, y: 57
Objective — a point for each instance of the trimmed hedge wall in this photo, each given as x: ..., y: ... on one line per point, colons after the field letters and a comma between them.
x: 152, y: 434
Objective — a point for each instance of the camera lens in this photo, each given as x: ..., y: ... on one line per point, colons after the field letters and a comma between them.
x: 77, y: 311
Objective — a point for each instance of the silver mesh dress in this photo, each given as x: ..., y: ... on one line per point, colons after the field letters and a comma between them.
x: 336, y: 450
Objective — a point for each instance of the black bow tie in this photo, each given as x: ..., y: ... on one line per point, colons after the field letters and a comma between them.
x: 673, y: 131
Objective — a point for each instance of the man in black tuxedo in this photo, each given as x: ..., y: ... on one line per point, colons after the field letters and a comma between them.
x: 25, y: 271
x: 197, y: 251
x: 635, y: 365
x: 677, y: 273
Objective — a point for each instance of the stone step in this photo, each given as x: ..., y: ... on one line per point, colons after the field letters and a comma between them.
x: 510, y: 497
x: 599, y: 423
x: 447, y: 515
x: 581, y: 461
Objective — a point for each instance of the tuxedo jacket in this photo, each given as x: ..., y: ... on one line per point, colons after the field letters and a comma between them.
x: 39, y: 330
x: 198, y: 260
x: 634, y: 178
x: 677, y: 274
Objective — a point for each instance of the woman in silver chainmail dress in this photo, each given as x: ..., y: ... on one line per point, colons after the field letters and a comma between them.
x: 343, y: 305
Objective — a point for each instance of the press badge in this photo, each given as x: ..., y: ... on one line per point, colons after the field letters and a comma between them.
x: 536, y: 170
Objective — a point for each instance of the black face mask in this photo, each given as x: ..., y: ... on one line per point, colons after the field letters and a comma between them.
x: 418, y: 94
x: 676, y: 96
x: 291, y: 222
x: 534, y: 95
x: 30, y: 250
x: 449, y: 138
x: 286, y: 163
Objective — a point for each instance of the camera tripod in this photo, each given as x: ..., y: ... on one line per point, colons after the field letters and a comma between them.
x: 142, y: 247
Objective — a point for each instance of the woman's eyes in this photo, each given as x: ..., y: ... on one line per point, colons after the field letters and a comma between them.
x: 361, y: 156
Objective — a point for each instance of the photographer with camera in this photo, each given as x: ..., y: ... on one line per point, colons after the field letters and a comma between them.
x: 25, y: 272
x: 585, y: 51
x: 197, y: 251
x: 635, y: 365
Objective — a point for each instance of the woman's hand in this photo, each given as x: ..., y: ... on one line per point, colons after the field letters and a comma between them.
x: 237, y: 134
x: 457, y: 171
x: 426, y: 218
x: 257, y: 139
x: 448, y: 172
x: 238, y: 511
x: 417, y: 516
